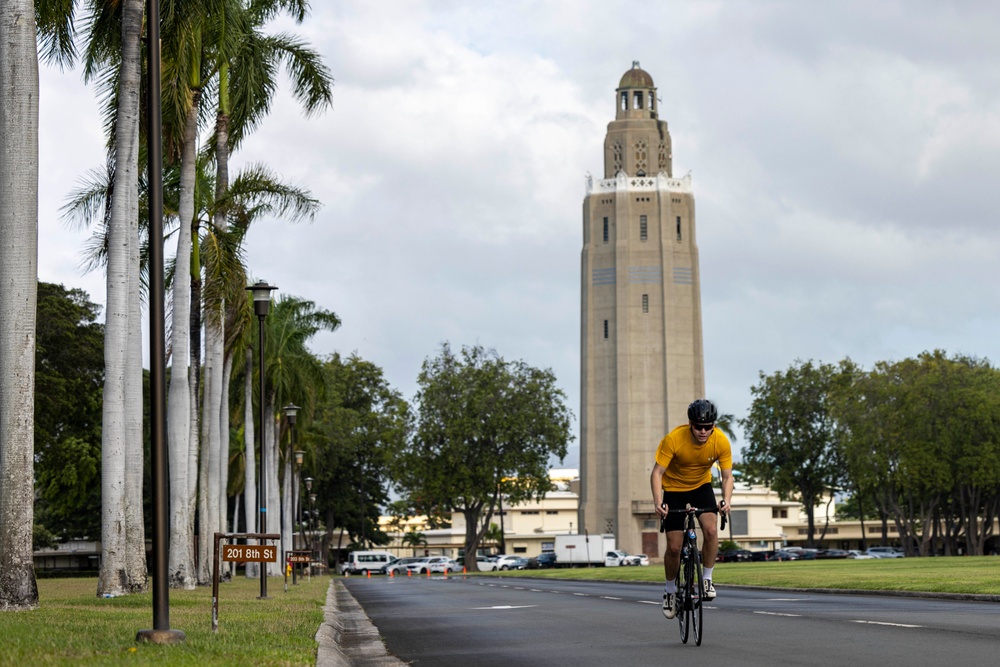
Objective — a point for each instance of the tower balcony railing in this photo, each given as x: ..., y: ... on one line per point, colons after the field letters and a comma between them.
x: 639, y: 183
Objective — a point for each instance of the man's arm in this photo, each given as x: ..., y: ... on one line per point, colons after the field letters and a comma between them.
x: 656, y: 486
x: 728, y: 482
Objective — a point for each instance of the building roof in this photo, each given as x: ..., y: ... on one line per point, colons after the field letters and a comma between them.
x: 636, y: 78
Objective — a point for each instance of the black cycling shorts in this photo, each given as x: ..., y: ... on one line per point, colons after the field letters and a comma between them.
x: 703, y: 497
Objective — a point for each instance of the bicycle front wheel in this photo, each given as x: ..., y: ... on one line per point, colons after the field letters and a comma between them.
x: 698, y: 599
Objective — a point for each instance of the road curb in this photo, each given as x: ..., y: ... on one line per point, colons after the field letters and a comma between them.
x: 347, y: 637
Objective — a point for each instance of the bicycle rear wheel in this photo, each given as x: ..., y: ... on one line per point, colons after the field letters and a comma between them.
x: 698, y: 599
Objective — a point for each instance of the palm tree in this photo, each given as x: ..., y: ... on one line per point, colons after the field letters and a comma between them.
x: 19, y: 277
x: 294, y: 375
x: 123, y: 543
x: 414, y: 539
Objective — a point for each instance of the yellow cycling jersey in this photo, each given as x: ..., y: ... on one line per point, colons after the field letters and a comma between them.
x: 688, y: 464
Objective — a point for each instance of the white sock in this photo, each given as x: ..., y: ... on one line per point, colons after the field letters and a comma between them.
x: 708, y: 573
x: 670, y: 587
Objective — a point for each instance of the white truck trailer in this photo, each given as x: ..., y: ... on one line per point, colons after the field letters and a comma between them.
x: 583, y: 550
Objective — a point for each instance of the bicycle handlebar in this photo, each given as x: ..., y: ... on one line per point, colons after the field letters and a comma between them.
x: 697, y: 511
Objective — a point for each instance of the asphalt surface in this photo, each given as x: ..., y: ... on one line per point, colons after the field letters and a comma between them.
x: 486, y: 621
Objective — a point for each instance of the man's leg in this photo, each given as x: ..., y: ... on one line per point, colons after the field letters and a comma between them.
x: 671, y: 563
x: 709, y: 549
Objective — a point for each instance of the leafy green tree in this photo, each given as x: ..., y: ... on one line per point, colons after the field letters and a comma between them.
x: 69, y: 376
x: 486, y: 427
x: 361, y: 425
x: 792, y: 437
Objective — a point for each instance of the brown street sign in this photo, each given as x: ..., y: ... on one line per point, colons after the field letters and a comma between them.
x: 250, y: 553
x: 299, y: 558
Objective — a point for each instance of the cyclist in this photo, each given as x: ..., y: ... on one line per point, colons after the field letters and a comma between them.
x: 682, y: 475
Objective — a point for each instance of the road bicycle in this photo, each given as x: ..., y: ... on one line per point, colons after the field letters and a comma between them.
x: 690, y: 585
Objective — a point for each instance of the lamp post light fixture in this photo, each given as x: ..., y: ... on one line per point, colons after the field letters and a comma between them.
x: 261, y: 304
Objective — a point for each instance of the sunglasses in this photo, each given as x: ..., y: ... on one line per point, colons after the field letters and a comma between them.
x: 703, y: 427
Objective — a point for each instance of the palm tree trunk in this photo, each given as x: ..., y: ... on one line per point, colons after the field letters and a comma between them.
x: 250, y: 461
x: 19, y: 277
x: 122, y: 557
x: 227, y: 373
x: 179, y: 404
x: 127, y: 181
x: 273, y: 493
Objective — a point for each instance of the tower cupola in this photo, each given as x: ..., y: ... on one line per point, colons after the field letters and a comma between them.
x: 636, y: 95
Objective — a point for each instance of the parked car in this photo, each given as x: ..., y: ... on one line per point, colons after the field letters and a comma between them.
x: 736, y: 556
x: 445, y: 565
x: 642, y: 558
x: 506, y: 562
x: 399, y: 566
x: 486, y: 564
x: 859, y: 555
x: 808, y: 554
x: 433, y: 564
x: 885, y: 552
x: 542, y: 561
x: 762, y: 556
x: 831, y: 553
x: 784, y: 554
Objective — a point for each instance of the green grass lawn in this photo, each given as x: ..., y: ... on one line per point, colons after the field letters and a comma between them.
x: 74, y: 627
x: 960, y: 574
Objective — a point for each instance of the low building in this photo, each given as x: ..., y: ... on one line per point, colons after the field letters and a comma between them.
x: 760, y: 520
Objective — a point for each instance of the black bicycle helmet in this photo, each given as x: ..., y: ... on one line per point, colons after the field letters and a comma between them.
x: 702, y: 411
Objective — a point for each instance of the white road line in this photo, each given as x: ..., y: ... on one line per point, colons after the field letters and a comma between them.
x: 536, y: 590
x: 648, y: 602
x: 785, y: 599
x: 507, y: 606
x: 583, y: 595
x: 608, y: 597
x: 895, y: 625
x: 774, y: 613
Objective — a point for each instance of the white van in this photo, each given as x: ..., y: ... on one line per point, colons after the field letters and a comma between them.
x: 360, y: 562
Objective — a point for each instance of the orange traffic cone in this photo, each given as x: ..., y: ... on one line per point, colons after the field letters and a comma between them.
x: 445, y: 573
x: 428, y: 574
x: 369, y: 573
x: 463, y: 570
x: 392, y: 573
x: 409, y: 573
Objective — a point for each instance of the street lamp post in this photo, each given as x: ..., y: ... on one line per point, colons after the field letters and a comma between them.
x: 308, y: 540
x: 160, y: 633
x: 290, y: 411
x: 261, y: 304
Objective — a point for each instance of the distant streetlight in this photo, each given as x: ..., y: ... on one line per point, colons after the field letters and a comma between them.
x: 290, y: 411
x: 299, y: 457
x: 261, y: 304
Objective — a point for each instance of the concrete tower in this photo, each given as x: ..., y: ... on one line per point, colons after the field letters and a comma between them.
x: 641, y: 343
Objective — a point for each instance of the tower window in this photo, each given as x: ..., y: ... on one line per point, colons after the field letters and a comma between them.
x: 605, y: 329
x: 624, y: 101
x: 605, y: 230
x: 643, y: 228
x: 637, y: 100
x: 645, y: 303
x: 678, y: 228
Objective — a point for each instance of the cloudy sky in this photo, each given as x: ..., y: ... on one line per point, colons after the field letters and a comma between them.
x: 844, y: 158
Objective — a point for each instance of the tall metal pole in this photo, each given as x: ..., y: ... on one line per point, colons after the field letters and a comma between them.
x: 161, y: 632
x: 262, y: 486
x: 261, y: 303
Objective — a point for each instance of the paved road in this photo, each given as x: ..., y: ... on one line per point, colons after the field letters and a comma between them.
x: 487, y: 621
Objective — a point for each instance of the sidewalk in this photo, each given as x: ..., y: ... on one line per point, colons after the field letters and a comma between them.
x: 347, y: 637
